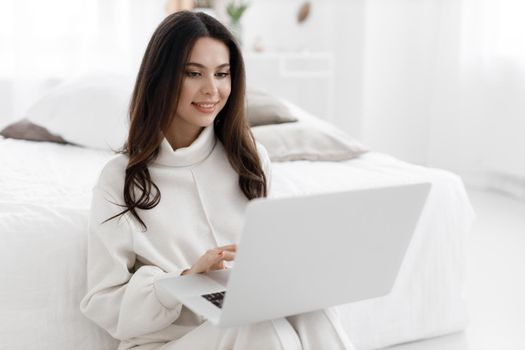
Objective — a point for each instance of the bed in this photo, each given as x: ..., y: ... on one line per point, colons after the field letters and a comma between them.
x: 45, y: 192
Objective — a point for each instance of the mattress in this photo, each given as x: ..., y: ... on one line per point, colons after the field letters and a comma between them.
x: 45, y: 192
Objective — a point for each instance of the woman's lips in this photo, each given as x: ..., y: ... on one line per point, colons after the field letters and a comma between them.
x: 205, y: 107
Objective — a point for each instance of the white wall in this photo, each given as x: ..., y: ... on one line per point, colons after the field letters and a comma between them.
x: 386, y: 59
x: 399, y: 68
x: 335, y: 26
x: 348, y: 47
x: 385, y: 63
x: 447, y: 136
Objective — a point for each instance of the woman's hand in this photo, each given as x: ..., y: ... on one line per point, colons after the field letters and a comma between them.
x: 213, y: 259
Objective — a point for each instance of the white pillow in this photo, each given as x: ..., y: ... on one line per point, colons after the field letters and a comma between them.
x: 90, y: 111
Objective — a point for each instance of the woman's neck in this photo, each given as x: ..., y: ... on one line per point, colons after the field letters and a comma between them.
x: 180, y: 136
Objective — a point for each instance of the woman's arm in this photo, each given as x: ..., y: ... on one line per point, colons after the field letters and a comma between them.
x: 123, y: 302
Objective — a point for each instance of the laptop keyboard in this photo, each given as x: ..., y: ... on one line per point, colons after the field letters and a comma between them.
x: 215, y: 298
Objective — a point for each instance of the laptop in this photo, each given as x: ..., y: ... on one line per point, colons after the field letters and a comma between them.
x: 307, y: 253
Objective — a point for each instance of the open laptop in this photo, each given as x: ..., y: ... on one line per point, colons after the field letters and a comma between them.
x: 307, y: 253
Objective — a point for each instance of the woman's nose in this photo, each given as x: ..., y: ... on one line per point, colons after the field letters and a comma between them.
x: 209, y: 86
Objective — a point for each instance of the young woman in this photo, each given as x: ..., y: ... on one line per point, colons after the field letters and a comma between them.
x: 172, y: 203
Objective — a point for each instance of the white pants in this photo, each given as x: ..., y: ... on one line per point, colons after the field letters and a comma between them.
x: 310, y: 331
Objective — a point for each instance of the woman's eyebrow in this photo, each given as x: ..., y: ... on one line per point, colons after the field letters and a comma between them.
x: 203, y: 66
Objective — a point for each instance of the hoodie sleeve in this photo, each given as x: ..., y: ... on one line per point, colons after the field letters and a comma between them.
x: 122, y: 301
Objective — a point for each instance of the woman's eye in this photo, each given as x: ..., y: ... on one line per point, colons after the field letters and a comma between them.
x: 222, y: 74
x: 192, y: 74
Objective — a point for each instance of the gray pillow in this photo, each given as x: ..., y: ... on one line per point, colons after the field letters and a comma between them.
x: 299, y: 141
x: 310, y: 138
x: 26, y: 130
x: 264, y: 109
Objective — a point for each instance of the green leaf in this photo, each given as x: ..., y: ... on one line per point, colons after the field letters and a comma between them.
x: 236, y: 11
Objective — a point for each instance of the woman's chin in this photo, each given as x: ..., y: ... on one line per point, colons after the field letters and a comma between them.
x: 205, y: 121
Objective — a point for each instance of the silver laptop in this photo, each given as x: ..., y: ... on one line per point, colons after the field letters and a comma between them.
x: 307, y: 253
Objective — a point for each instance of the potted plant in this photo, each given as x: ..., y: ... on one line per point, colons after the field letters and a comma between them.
x: 235, y: 10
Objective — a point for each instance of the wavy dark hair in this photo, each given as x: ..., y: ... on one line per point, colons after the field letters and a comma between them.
x: 154, y: 103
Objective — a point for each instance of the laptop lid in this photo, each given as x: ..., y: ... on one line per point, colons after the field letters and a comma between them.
x: 307, y: 253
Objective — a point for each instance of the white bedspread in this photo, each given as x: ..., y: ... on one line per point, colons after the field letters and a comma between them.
x: 45, y: 192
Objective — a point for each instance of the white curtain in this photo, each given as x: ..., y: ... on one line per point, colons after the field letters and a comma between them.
x: 43, y: 42
x: 493, y: 84
x: 444, y: 86
x: 478, y: 119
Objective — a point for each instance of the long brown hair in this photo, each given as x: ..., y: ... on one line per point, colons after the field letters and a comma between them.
x: 154, y: 103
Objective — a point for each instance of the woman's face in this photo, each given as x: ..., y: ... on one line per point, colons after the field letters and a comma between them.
x: 205, y: 87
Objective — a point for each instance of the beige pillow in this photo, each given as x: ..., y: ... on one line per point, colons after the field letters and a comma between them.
x: 309, y: 138
x: 264, y: 109
x: 25, y: 130
x: 299, y: 141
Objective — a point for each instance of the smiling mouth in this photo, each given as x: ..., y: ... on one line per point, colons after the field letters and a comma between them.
x: 206, y: 107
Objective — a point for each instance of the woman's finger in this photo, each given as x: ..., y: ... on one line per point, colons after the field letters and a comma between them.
x: 229, y: 247
x: 228, y: 256
x: 214, y: 255
x: 219, y: 256
x: 213, y: 259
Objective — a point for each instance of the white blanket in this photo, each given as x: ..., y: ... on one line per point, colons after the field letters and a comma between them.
x: 45, y: 192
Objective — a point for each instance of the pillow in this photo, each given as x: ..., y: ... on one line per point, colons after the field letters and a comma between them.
x: 90, y: 111
x: 309, y: 138
x: 264, y: 109
x: 25, y: 130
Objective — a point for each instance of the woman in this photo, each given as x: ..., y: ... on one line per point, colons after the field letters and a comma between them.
x: 173, y: 202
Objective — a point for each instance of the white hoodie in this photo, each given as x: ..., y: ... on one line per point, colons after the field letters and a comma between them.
x: 201, y: 207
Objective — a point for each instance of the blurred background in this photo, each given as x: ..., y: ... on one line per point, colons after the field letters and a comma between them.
x: 433, y: 82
